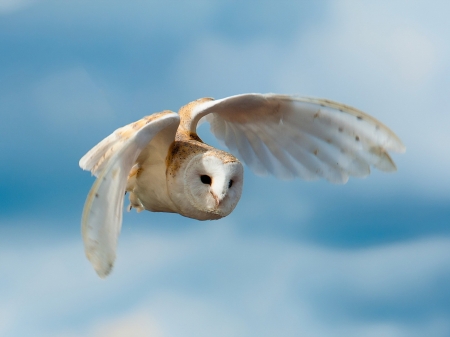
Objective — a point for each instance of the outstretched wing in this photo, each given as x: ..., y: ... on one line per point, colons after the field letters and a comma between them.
x: 111, y: 161
x: 290, y: 136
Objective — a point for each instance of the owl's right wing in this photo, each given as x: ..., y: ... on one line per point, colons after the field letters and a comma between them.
x: 111, y: 161
x: 290, y: 136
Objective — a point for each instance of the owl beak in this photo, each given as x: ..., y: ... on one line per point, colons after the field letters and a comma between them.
x: 217, y: 199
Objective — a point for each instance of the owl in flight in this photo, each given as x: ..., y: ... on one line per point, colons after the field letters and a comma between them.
x: 164, y: 166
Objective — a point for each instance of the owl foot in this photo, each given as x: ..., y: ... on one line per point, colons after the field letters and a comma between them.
x: 135, y: 203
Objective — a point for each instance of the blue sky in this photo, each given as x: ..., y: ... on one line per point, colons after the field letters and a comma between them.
x: 369, y: 258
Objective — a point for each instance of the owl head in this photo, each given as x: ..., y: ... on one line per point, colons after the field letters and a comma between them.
x: 211, y: 185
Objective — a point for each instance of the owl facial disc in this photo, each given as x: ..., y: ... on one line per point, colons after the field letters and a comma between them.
x: 213, y: 184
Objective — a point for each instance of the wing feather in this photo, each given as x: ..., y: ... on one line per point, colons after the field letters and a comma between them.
x: 275, y: 145
x: 92, y: 161
x: 267, y: 157
x: 111, y: 161
x: 319, y: 158
x: 230, y: 137
x: 310, y: 138
x: 260, y: 162
x: 243, y: 146
x: 329, y: 151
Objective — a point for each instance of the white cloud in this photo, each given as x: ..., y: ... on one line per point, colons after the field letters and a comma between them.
x: 366, y: 41
x: 137, y: 324
x: 67, y: 98
x: 414, y: 55
x: 394, y: 43
x: 212, y: 281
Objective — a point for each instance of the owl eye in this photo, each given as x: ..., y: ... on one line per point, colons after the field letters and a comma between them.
x: 205, y: 179
x: 230, y: 183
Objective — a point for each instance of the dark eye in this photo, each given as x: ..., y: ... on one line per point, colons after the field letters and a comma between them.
x: 205, y: 179
x: 230, y: 183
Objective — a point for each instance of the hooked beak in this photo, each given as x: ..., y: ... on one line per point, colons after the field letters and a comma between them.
x: 217, y: 199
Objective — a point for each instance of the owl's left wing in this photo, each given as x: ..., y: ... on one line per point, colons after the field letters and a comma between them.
x: 290, y: 136
x: 111, y: 161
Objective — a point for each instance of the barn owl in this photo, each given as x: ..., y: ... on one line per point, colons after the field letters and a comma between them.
x: 164, y: 166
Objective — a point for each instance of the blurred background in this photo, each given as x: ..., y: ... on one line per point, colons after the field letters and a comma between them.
x: 369, y: 258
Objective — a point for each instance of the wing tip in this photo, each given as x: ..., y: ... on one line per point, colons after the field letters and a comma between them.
x: 395, y: 144
x: 385, y: 164
x: 83, y: 163
x: 401, y: 148
x: 102, y: 266
x: 103, y: 272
